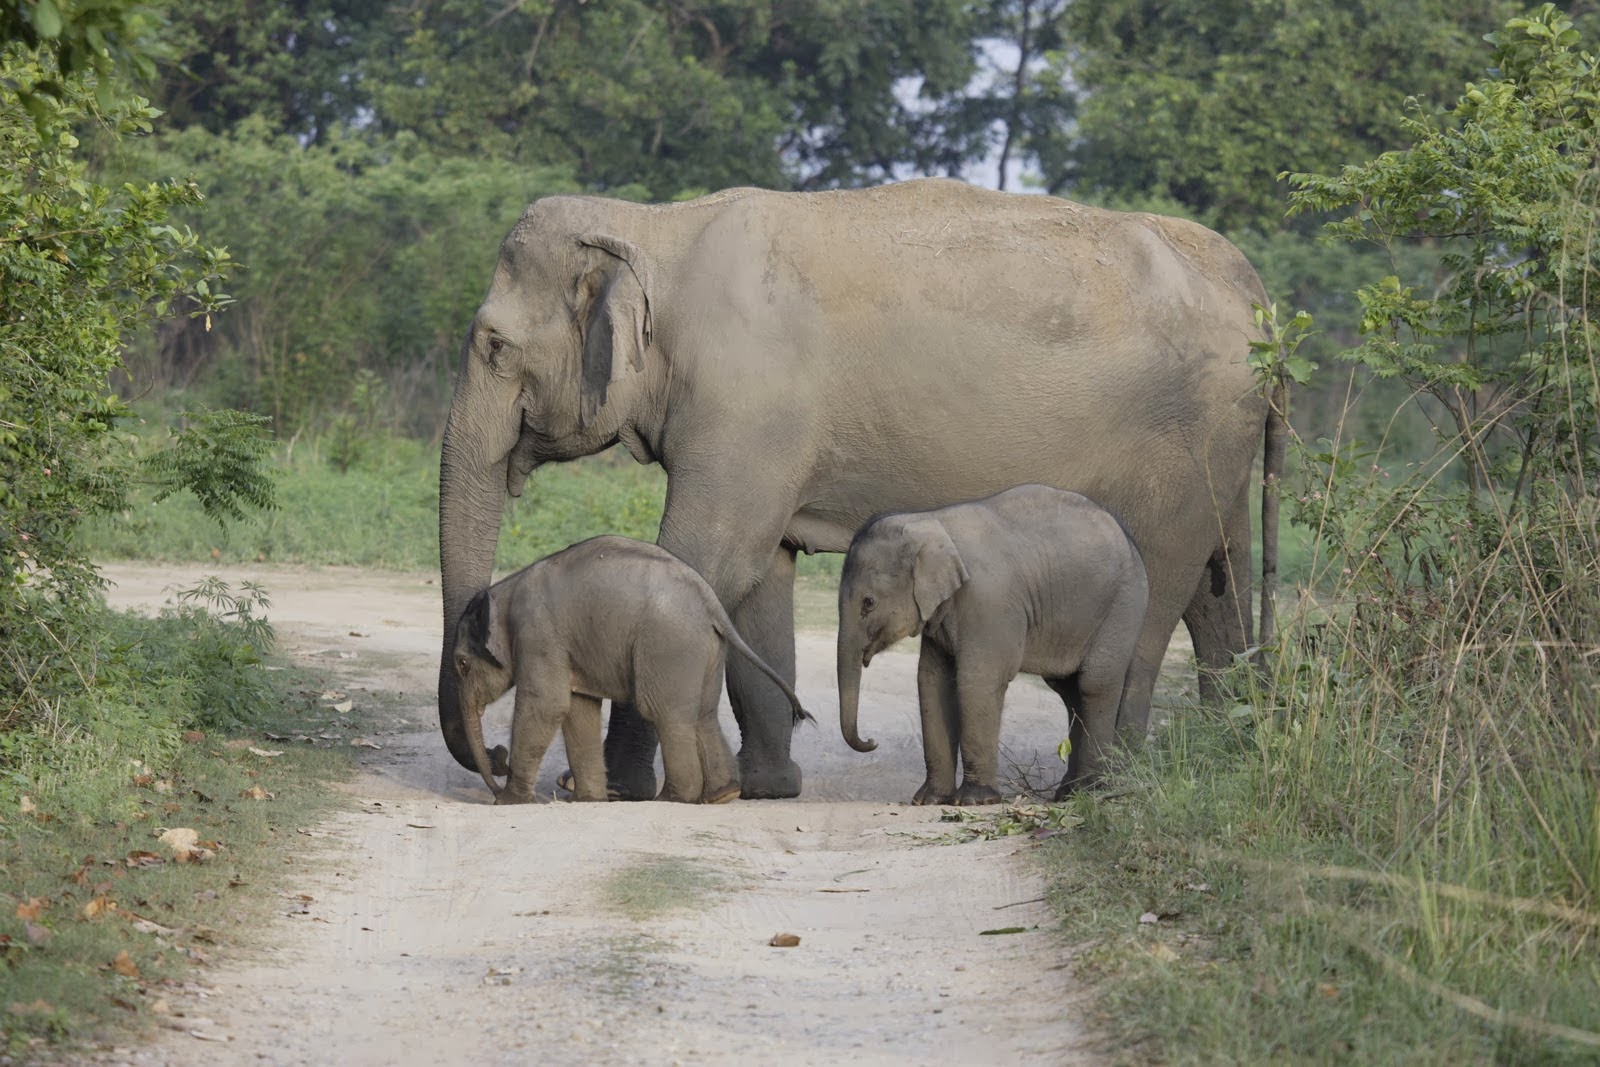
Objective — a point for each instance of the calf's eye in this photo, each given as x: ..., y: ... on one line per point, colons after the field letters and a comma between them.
x: 867, y: 604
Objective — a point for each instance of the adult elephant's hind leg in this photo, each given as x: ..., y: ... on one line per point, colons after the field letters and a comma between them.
x: 765, y: 619
x: 630, y: 750
x: 1218, y: 615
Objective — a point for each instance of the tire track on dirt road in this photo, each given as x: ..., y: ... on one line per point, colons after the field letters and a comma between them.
x: 447, y: 931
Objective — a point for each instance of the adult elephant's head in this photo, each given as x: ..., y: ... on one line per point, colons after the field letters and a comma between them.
x: 555, y: 364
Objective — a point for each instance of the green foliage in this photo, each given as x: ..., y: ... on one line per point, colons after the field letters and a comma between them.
x: 1225, y: 96
x: 1503, y: 186
x: 1276, y: 359
x: 218, y: 456
x: 74, y: 39
x: 359, y: 256
x: 81, y: 265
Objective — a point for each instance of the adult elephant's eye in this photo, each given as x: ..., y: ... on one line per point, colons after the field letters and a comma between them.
x: 867, y: 604
x: 496, y: 345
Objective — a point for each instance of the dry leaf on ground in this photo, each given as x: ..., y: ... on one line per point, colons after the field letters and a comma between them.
x: 255, y: 792
x: 344, y: 706
x: 26, y: 806
x: 124, y: 965
x: 144, y: 859
x: 98, y: 907
x: 364, y: 742
x: 266, y: 753
x: 784, y: 940
x: 32, y: 908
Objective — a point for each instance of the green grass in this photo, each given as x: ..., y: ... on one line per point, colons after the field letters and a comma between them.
x: 659, y: 884
x: 138, y: 744
x: 1387, y: 851
x: 383, y: 511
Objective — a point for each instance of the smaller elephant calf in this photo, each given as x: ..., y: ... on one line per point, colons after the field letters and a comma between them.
x: 1031, y: 579
x: 607, y: 618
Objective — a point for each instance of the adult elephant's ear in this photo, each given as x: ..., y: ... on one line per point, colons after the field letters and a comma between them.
x: 614, y: 317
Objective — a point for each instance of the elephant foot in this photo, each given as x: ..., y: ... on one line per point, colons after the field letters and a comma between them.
x: 508, y: 797
x: 769, y: 783
x: 499, y: 761
x: 568, y: 781
x: 722, y: 794
x: 930, y: 794
x: 973, y: 794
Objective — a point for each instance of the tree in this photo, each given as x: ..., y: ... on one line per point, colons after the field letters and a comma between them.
x: 1207, y: 102
x: 82, y: 266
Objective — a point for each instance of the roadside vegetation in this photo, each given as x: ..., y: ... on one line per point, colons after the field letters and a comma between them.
x: 1387, y: 849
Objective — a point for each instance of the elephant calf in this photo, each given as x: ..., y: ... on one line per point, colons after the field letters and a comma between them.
x: 613, y: 618
x: 1031, y: 579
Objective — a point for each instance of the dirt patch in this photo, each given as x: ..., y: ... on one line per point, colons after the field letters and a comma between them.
x: 444, y: 930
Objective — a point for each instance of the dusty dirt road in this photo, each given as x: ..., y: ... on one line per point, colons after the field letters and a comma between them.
x: 445, y: 931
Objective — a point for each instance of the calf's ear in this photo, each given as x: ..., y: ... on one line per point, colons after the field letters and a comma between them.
x: 937, y: 570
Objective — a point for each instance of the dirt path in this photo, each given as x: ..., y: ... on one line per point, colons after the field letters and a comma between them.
x: 446, y: 931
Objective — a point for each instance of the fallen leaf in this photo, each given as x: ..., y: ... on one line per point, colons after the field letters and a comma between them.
x: 26, y: 806
x: 32, y: 908
x: 98, y: 907
x: 162, y: 785
x: 37, y: 935
x: 194, y: 737
x: 421, y: 825
x: 159, y: 1006
x: 1149, y: 918
x: 1005, y: 930
x: 344, y: 706
x: 265, y: 753
x: 143, y: 859
x: 1197, y: 887
x: 142, y: 780
x: 354, y: 634
x: 364, y: 742
x: 203, y: 1036
x: 1328, y: 989
x: 785, y: 940
x: 35, y: 1007
x: 255, y: 792
x: 171, y: 807
x: 124, y: 965
x: 333, y: 694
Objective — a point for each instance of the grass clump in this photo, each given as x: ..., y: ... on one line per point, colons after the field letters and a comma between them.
x: 659, y: 884
x: 117, y: 736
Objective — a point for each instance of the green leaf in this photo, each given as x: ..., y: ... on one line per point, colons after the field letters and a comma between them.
x: 47, y: 19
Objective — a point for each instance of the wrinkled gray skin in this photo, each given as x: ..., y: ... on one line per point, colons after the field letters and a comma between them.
x: 799, y: 362
x: 1031, y: 579
x: 609, y: 618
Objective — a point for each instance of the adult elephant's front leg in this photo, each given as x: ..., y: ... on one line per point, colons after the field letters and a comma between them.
x: 630, y: 749
x: 765, y: 619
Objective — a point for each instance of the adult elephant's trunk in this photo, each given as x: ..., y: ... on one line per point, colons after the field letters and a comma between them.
x: 474, y: 725
x: 471, y: 495
x: 850, y: 694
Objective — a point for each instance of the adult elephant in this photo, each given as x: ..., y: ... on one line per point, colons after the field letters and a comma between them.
x: 801, y: 361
